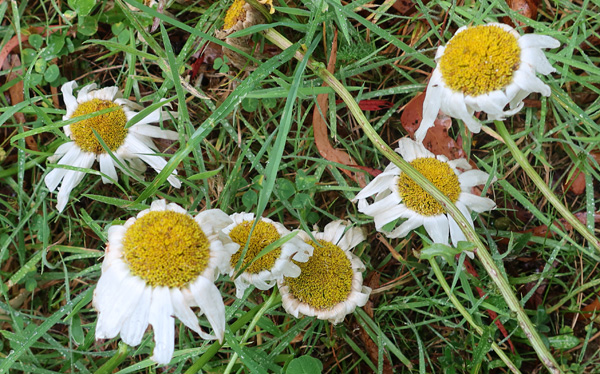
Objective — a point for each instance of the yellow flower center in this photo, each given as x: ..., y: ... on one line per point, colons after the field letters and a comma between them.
x: 480, y: 60
x: 234, y: 14
x: 109, y: 126
x: 166, y: 248
x: 440, y: 174
x: 326, y: 278
x: 264, y: 234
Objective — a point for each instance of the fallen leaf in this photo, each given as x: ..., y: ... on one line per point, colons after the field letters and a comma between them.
x: 404, y: 7
x: 528, y: 8
x: 437, y: 140
x: 16, y: 94
x: 321, y: 132
x: 371, y: 105
x: 576, y: 183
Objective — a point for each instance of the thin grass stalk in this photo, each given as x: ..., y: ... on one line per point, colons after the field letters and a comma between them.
x: 253, y: 314
x: 543, y: 187
x: 462, y: 310
x: 482, y: 253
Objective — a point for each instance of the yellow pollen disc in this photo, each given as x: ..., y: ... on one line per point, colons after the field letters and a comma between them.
x: 166, y: 248
x: 440, y: 174
x: 264, y: 234
x: 480, y: 60
x: 325, y: 279
x: 110, y: 126
x: 234, y: 14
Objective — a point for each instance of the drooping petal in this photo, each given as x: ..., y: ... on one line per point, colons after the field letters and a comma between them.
x: 209, y: 299
x: 437, y: 228
x: 107, y: 167
x: 406, y: 227
x: 472, y: 178
x: 537, y: 59
x: 411, y: 150
x: 69, y: 98
x: 431, y: 104
x: 530, y: 83
x: 148, y: 156
x: 185, y: 314
x: 476, y: 203
x: 134, y: 327
x: 538, y: 41
x: 154, y: 131
x: 122, y: 305
x: 163, y: 324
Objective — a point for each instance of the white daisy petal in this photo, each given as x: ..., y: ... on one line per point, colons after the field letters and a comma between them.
x: 537, y: 59
x: 68, y: 98
x: 182, y: 311
x: 406, y: 227
x: 134, y: 327
x: 472, y: 178
x: 163, y: 324
x: 437, y: 228
x: 529, y: 82
x: 107, y: 167
x: 534, y: 41
x: 477, y: 203
x: 431, y: 104
x: 209, y: 299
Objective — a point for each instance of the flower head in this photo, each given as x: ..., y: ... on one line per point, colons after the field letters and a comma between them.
x: 133, y: 144
x: 398, y: 196
x: 157, y: 266
x: 330, y: 285
x: 239, y: 16
x: 263, y: 271
x: 484, y: 68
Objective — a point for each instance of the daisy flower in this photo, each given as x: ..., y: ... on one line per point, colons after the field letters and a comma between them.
x: 157, y: 266
x: 133, y: 144
x: 484, y: 68
x: 240, y: 16
x: 396, y: 196
x: 266, y: 270
x: 330, y: 285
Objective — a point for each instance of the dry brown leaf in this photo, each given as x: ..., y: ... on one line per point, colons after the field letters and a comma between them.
x: 437, y: 139
x: 16, y: 94
x: 528, y: 8
x: 320, y: 130
x: 576, y: 183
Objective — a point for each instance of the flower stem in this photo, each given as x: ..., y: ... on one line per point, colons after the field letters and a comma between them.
x: 254, y: 314
x: 111, y: 364
x: 543, y: 187
x: 482, y: 252
x: 468, y: 317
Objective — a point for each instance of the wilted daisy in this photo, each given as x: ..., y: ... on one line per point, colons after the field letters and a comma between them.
x: 484, y: 68
x: 264, y: 271
x: 239, y: 16
x: 157, y: 266
x: 330, y: 285
x: 133, y: 144
x: 395, y: 195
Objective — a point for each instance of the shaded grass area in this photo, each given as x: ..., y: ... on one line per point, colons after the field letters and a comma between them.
x: 247, y: 144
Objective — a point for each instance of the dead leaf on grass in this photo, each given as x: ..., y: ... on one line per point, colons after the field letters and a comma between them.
x: 576, y: 183
x: 16, y: 94
x: 437, y: 140
x: 320, y: 130
x: 528, y: 8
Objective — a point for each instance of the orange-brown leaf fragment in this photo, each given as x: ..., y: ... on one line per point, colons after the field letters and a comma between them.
x: 528, y: 8
x: 437, y: 140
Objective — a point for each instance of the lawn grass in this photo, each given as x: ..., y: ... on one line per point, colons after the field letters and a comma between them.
x: 247, y: 145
